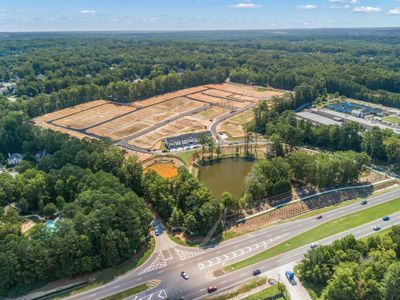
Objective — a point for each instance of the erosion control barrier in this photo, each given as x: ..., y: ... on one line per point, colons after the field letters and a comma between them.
x: 325, y: 198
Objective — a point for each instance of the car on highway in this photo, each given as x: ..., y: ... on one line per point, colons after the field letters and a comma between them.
x: 318, y: 217
x: 364, y: 202
x: 212, y: 288
x: 256, y: 272
x: 184, y: 275
x: 313, y: 245
x: 157, y: 232
x: 376, y: 228
x: 386, y: 218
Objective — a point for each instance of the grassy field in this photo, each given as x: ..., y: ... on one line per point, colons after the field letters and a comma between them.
x: 269, y: 292
x: 325, y: 230
x: 394, y: 120
x: 247, y: 287
x: 185, y: 156
x: 127, y: 293
x: 114, y: 272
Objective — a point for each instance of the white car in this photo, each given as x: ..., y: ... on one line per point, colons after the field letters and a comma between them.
x: 313, y: 245
x: 185, y: 275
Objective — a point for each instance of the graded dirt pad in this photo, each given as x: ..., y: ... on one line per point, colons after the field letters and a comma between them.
x: 256, y: 92
x: 244, y: 98
x: 217, y: 93
x: 232, y: 129
x: 172, y: 108
x: 242, y: 118
x: 93, y: 116
x: 210, y: 113
x: 181, y: 126
x: 168, y: 96
x: 69, y: 111
x: 67, y: 131
x: 218, y: 101
x: 234, y: 126
x: 141, y: 119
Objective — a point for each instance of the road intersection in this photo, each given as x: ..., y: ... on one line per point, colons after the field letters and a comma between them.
x: 169, y: 259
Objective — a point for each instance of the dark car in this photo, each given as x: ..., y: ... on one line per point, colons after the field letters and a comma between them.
x: 212, y: 288
x: 318, y: 217
x: 386, y: 218
x: 256, y: 272
x: 376, y: 228
x: 364, y: 202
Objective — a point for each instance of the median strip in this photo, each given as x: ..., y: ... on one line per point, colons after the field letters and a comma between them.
x: 127, y: 293
x: 324, y: 230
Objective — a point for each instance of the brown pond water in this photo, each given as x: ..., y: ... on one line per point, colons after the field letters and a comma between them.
x: 229, y: 175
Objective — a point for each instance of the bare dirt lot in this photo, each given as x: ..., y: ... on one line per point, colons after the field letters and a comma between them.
x: 69, y: 111
x: 245, y: 90
x: 94, y: 116
x: 181, y: 126
x: 234, y: 127
x: 171, y: 114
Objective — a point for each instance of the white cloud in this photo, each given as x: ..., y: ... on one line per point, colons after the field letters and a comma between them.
x: 394, y: 11
x: 367, y: 9
x: 345, y: 1
x: 88, y: 12
x: 246, y: 5
x: 307, y: 6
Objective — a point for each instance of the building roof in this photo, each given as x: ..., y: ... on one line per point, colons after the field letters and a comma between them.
x: 188, y: 137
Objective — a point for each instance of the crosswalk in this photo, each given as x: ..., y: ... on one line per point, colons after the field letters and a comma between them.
x: 223, y: 259
x: 184, y: 255
x: 158, y: 263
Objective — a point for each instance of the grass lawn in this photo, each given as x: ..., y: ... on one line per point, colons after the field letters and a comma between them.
x: 185, y: 156
x: 182, y: 242
x: 394, y: 120
x: 127, y: 293
x: 268, y: 292
x: 112, y: 273
x: 247, y: 287
x: 325, y: 230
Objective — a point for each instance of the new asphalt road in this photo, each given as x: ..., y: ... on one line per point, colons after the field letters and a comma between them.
x: 169, y: 259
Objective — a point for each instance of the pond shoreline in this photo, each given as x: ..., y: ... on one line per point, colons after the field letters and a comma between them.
x: 224, y: 174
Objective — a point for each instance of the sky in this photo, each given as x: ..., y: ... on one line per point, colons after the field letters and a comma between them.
x: 183, y: 15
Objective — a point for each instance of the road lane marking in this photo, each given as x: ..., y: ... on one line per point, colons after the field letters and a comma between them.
x: 180, y: 265
x: 138, y: 279
x: 223, y: 259
x: 116, y: 287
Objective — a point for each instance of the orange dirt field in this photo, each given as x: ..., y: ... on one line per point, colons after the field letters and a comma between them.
x: 166, y: 170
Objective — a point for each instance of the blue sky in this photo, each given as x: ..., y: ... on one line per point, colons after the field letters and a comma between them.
x: 144, y: 15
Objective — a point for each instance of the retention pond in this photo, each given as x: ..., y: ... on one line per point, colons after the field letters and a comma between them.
x: 227, y: 175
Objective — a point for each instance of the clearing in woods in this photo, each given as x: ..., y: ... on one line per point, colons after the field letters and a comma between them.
x: 145, y: 123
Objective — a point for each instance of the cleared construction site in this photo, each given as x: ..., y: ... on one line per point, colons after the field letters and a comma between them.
x: 142, y: 126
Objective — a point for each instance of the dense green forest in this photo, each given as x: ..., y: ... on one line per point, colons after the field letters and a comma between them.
x: 355, y: 269
x: 102, y: 199
x: 60, y: 70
